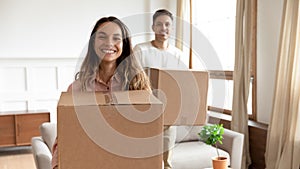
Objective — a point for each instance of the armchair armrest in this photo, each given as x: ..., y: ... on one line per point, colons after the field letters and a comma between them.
x: 233, y: 143
x: 41, y: 153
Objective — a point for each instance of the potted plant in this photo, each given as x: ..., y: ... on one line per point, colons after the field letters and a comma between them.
x: 211, y: 134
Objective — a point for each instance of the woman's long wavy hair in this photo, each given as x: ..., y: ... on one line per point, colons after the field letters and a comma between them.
x: 131, y: 72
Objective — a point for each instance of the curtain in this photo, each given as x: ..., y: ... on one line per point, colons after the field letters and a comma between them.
x: 242, y: 73
x: 183, y: 27
x: 179, y: 23
x: 283, y: 142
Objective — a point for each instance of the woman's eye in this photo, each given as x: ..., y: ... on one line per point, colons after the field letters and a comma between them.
x: 117, y: 38
x: 101, y: 37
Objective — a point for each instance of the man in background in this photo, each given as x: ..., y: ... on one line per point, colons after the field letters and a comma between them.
x: 159, y: 53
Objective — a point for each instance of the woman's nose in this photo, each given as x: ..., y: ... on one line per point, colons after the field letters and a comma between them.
x: 109, y: 41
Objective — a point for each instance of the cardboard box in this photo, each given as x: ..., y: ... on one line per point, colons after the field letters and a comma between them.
x: 110, y: 131
x: 184, y: 94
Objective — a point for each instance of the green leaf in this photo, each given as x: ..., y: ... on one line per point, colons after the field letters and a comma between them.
x: 211, y: 134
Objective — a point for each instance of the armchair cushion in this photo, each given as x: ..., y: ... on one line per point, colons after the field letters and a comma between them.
x: 187, y: 133
x: 48, y: 132
x: 194, y: 155
x: 41, y: 153
x: 191, y: 153
x: 42, y: 146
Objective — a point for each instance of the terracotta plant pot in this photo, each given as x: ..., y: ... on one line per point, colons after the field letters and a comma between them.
x: 220, y: 163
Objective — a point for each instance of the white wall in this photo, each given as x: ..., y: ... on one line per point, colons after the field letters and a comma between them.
x: 34, y: 83
x: 42, y: 44
x: 269, y: 20
x: 37, y: 30
x: 55, y: 28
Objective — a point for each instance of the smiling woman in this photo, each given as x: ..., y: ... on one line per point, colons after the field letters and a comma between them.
x: 108, y: 42
x: 109, y: 64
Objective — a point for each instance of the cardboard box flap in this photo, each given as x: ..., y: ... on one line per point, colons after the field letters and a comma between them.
x: 83, y: 98
x: 172, y: 71
x: 134, y: 97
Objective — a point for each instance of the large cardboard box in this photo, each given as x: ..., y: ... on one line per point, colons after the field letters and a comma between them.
x: 184, y: 94
x: 110, y: 131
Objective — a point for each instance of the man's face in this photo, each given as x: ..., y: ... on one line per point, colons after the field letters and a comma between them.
x: 162, y: 27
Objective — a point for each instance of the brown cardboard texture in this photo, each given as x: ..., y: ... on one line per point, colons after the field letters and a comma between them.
x: 109, y: 131
x: 184, y: 94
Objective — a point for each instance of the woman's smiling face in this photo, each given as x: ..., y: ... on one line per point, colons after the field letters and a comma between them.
x: 108, y: 43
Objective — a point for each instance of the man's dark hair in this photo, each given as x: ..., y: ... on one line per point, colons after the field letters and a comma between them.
x: 162, y: 12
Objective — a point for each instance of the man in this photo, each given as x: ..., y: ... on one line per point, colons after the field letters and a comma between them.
x: 159, y: 53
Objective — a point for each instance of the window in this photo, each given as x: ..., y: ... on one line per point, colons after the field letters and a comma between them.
x: 215, y: 20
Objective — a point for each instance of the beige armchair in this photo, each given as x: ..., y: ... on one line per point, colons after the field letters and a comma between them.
x: 189, y: 152
x: 42, y: 146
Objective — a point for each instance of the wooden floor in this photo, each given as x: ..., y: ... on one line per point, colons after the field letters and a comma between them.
x: 16, y: 158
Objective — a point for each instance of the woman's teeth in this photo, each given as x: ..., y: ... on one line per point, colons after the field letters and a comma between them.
x: 108, y: 51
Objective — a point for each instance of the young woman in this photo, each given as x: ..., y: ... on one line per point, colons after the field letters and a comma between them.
x: 109, y: 64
